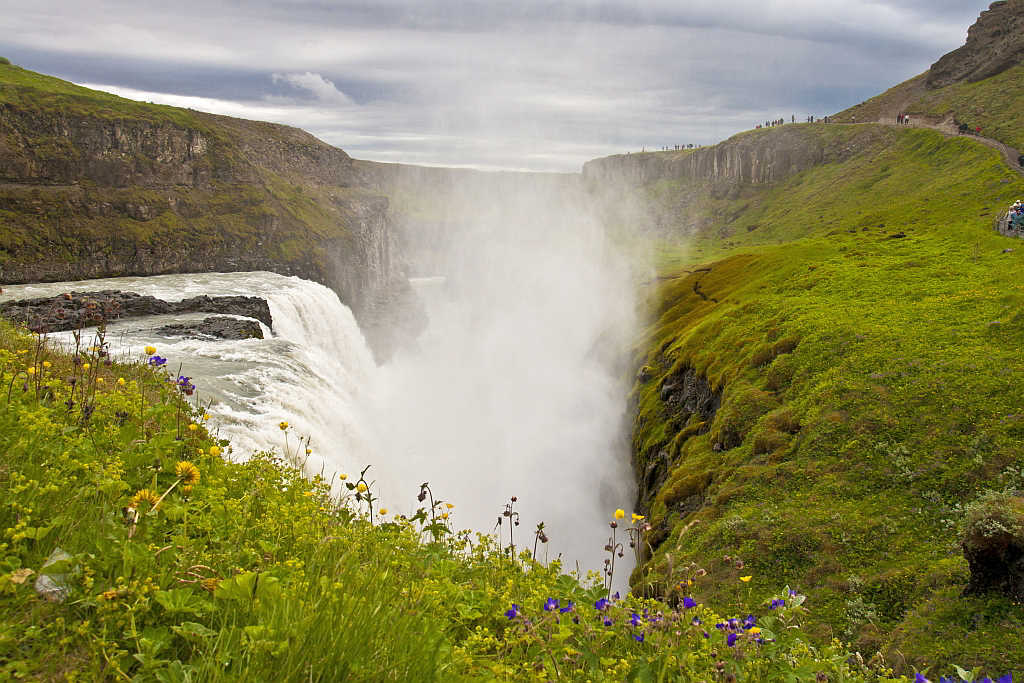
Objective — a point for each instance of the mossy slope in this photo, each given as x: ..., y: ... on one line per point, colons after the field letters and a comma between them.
x: 865, y: 339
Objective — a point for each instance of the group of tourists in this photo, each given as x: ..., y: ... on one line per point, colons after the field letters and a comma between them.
x: 779, y: 122
x: 1015, y: 216
x: 903, y: 119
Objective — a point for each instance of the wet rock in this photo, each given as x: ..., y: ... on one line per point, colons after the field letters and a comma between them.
x: 76, y: 310
x: 220, y: 327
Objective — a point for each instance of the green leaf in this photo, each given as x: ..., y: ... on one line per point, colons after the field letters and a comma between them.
x: 964, y: 675
x: 193, y: 632
x: 248, y: 587
x: 181, y: 600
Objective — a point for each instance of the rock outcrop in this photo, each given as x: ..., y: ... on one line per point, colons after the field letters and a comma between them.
x: 994, y: 44
x: 218, y: 326
x: 76, y: 310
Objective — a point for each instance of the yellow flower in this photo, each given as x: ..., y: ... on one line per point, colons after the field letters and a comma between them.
x: 22, y: 350
x: 361, y: 487
x: 308, y: 494
x: 620, y: 513
x: 343, y: 477
x: 187, y: 490
x: 144, y: 496
x: 444, y: 515
x: 308, y: 451
x: 120, y: 381
x: 746, y: 579
x: 214, y: 450
x: 193, y: 427
x: 46, y: 363
x: 150, y: 350
x: 86, y: 366
x: 207, y: 416
x: 200, y: 451
x: 755, y: 630
x: 108, y: 595
x: 282, y: 425
x: 383, y: 511
x: 449, y: 506
x: 31, y: 371
x: 99, y: 380
x: 187, y: 472
x: 210, y: 584
x: 637, y: 518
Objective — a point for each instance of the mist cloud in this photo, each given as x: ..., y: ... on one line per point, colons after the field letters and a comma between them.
x: 521, y: 84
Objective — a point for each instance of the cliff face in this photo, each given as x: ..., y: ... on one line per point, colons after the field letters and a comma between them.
x: 756, y: 157
x: 95, y: 186
x: 994, y: 44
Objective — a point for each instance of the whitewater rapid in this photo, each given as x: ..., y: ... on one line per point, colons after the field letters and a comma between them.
x: 505, y: 397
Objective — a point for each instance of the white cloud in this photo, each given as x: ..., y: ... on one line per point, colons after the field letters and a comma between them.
x: 320, y: 87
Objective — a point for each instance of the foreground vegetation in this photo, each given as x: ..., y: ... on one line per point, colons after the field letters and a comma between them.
x: 133, y: 550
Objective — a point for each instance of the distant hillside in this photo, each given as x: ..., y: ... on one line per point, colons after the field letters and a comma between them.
x: 94, y: 185
x: 980, y: 84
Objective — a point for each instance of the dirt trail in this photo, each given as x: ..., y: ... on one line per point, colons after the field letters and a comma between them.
x: 947, y: 128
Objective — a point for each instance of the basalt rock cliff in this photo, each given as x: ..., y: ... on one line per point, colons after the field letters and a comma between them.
x: 92, y: 185
x: 994, y: 44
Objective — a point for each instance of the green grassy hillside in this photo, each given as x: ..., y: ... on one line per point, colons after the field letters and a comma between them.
x: 870, y: 389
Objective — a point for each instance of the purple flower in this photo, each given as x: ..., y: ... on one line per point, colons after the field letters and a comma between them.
x: 550, y: 605
x: 706, y: 634
x: 514, y: 612
x: 731, y: 640
x: 639, y: 637
x: 689, y: 602
x: 696, y: 621
x: 749, y: 622
x: 1008, y: 678
x: 607, y: 621
x: 616, y: 596
x: 601, y: 605
x: 568, y: 608
x: 635, y: 619
x: 919, y: 678
x: 157, y: 361
x: 721, y: 626
x: 777, y: 603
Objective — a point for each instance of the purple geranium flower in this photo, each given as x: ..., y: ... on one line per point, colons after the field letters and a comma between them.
x: 568, y: 607
x: 777, y: 603
x: 607, y: 621
x: 514, y: 612
x: 749, y: 622
x: 157, y: 361
x: 689, y: 602
x: 696, y: 621
x: 550, y: 605
x: 639, y: 637
x: 919, y: 678
x: 635, y: 619
x: 601, y: 605
x: 731, y: 640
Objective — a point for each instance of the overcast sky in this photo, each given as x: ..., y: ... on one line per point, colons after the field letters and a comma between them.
x: 491, y: 84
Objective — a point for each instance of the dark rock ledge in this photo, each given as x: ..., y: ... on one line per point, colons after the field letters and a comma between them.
x: 77, y: 310
x: 219, y: 326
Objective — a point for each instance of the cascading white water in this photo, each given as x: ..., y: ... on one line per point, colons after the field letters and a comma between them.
x: 509, y: 396
x: 313, y: 373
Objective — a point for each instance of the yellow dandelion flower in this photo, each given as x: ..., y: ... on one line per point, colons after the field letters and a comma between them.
x: 150, y: 350
x: 46, y: 363
x: 383, y: 511
x: 361, y: 487
x: 207, y: 416
x: 308, y: 494
x: 620, y: 513
x: 200, y: 451
x: 343, y: 477
x: 144, y: 496
x: 193, y: 427
x: 120, y: 381
x: 214, y: 450
x: 86, y: 366
x: 755, y: 630
x: 22, y: 350
x: 187, y: 472
x: 187, y: 490
x: 746, y: 579
x: 449, y: 506
x: 637, y: 518
x: 31, y: 371
x: 283, y: 425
